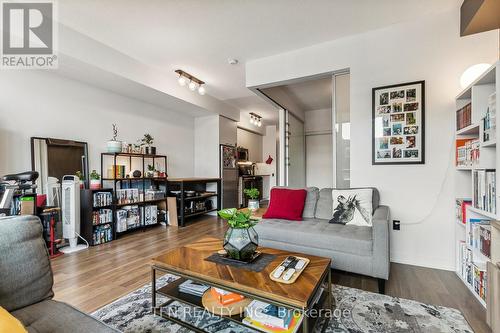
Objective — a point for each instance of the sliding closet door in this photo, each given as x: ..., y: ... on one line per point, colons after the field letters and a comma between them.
x: 295, y: 157
x: 342, y: 134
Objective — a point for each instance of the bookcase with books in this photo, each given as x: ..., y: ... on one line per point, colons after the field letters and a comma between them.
x: 476, y: 196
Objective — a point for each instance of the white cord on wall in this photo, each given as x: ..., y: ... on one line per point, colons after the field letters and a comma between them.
x: 445, y: 177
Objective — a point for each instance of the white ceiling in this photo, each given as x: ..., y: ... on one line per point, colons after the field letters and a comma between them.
x: 308, y: 95
x: 199, y: 36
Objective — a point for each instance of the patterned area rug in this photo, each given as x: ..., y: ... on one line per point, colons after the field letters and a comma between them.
x: 363, y: 312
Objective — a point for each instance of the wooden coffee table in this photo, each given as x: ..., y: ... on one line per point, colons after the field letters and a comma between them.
x: 188, y: 262
x: 256, y: 214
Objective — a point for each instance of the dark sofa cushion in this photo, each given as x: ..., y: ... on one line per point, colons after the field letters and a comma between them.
x: 57, y: 317
x: 25, y: 273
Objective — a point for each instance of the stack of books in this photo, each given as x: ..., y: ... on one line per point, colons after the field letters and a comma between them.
x: 193, y: 288
x: 489, y: 120
x: 225, y: 297
x: 461, y: 209
x: 270, y: 318
x: 467, y: 154
x: 464, y: 118
x: 484, y: 190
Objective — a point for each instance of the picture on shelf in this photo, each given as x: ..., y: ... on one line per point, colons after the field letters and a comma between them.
x: 398, y: 113
x: 384, y: 98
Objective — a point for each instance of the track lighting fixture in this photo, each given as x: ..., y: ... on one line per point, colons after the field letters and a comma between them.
x: 194, y: 82
x: 255, y: 119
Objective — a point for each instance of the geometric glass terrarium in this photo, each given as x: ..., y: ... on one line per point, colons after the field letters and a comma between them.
x: 241, y: 243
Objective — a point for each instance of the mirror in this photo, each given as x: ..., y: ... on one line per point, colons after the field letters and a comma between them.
x: 54, y: 158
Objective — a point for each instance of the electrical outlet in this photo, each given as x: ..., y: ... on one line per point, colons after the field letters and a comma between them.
x: 396, y: 225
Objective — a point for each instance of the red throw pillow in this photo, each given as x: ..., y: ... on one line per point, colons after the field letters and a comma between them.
x: 286, y: 204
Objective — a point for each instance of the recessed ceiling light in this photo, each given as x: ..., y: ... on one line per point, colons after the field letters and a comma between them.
x: 232, y: 61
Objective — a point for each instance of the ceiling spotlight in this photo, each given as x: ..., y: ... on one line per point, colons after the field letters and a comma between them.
x: 259, y: 123
x: 201, y: 90
x: 192, y: 86
x: 232, y: 61
x: 182, y: 81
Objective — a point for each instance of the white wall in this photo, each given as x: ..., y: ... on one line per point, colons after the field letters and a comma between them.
x: 227, y: 131
x: 206, y: 146
x: 429, y: 50
x: 37, y: 103
x: 251, y: 141
x: 269, y: 146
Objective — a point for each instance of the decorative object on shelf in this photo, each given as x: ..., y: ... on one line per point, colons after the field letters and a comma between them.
x: 241, y: 239
x: 136, y: 174
x: 150, y: 171
x: 255, y: 119
x: 95, y: 180
x: 269, y: 160
x: 147, y: 143
x: 398, y: 124
x: 194, y: 82
x: 253, y: 196
x: 114, y: 146
x: 136, y: 148
x: 80, y: 176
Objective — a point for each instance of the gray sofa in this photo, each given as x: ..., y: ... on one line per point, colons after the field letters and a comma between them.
x: 26, y: 282
x: 356, y: 249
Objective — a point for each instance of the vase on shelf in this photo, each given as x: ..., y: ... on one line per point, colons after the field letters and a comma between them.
x: 253, y: 204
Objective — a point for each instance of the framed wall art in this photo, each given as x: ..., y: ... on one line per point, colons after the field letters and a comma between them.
x: 398, y: 124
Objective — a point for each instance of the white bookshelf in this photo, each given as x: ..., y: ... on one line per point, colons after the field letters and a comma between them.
x: 489, y: 158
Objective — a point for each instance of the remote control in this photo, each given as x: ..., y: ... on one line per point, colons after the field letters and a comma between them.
x: 288, y: 274
x: 286, y: 263
x: 300, y: 264
x: 277, y: 273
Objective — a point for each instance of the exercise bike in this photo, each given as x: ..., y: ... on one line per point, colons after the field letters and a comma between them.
x: 15, y: 185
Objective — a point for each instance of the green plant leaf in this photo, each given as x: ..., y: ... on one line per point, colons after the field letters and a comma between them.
x: 227, y: 213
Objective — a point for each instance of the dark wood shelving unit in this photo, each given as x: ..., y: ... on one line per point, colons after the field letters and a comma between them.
x: 139, y: 183
x: 87, y: 209
x: 198, y: 185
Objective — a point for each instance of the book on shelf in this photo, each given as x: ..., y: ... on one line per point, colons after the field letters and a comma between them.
x: 102, y: 199
x: 461, y: 209
x: 474, y: 274
x: 103, y: 215
x: 485, y: 240
x: 489, y: 120
x: 293, y: 326
x: 193, y: 288
x: 484, y: 190
x: 102, y: 234
x: 269, y: 314
x: 464, y: 116
x: 467, y: 152
x: 225, y: 297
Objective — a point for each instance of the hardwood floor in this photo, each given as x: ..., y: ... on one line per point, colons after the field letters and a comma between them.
x: 95, y: 277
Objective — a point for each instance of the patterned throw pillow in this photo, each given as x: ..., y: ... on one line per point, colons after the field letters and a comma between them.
x: 352, y: 207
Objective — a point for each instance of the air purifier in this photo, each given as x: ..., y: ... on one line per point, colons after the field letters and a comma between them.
x: 70, y: 205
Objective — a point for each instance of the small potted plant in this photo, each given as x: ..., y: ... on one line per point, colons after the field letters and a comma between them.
x: 114, y: 146
x: 79, y: 174
x: 241, y: 239
x: 147, y: 142
x: 151, y: 171
x: 253, y: 198
x: 95, y: 180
